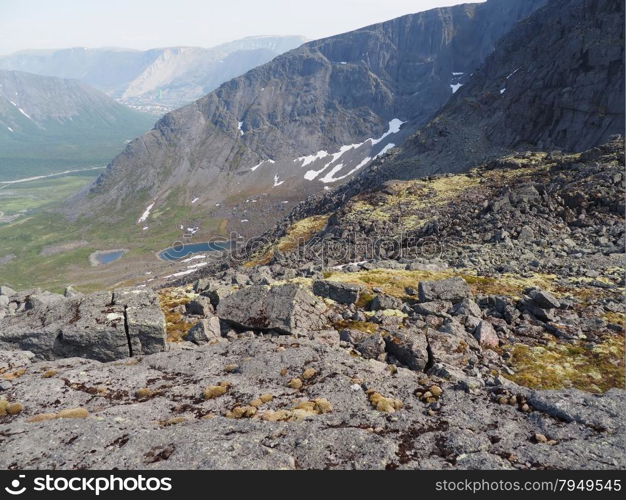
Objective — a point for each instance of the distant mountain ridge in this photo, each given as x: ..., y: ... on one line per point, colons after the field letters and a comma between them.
x: 48, y: 122
x: 158, y: 79
x: 312, y: 117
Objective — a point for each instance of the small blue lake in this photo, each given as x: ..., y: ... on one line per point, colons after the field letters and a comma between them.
x: 104, y: 257
x: 180, y: 251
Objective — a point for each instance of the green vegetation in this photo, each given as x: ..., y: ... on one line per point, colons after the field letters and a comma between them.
x: 51, y: 252
x: 594, y: 368
x: 31, y: 195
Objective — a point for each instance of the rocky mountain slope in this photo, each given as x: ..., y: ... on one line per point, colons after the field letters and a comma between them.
x: 156, y: 80
x: 309, y: 119
x: 542, y: 88
x: 50, y: 123
x: 495, y: 341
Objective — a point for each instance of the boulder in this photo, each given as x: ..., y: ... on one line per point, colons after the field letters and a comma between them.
x: 543, y: 299
x: 450, y: 349
x: 436, y: 307
x: 343, y: 293
x: 5, y: 290
x: 486, y: 335
x: 382, y: 302
x: 206, y: 330
x: 288, y: 309
x: 370, y: 345
x: 451, y: 289
x: 200, y: 306
x: 104, y: 326
x: 467, y: 307
x: 410, y: 347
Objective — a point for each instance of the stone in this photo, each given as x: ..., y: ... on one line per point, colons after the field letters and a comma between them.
x: 104, y: 326
x: 371, y: 346
x: 343, y: 293
x: 467, y: 307
x: 543, y: 299
x: 6, y: 290
x: 206, y: 330
x: 288, y: 309
x: 381, y: 302
x: 200, y: 306
x: 410, y: 347
x: 451, y: 289
x: 436, y: 307
x: 486, y: 335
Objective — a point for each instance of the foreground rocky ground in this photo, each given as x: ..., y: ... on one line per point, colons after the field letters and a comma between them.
x: 486, y: 332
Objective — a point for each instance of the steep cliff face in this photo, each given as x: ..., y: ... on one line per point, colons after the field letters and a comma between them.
x: 312, y: 117
x: 556, y: 81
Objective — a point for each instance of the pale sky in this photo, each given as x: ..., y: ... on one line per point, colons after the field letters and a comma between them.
x: 143, y: 24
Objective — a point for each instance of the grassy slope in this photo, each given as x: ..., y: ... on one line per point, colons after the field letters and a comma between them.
x: 41, y: 228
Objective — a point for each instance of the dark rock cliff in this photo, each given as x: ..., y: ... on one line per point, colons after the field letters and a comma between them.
x: 316, y: 99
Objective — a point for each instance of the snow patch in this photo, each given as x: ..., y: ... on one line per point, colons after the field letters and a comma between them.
x: 502, y: 91
x: 455, y: 87
x: 276, y: 181
x: 457, y: 73
x: 311, y: 158
x: 10, y: 129
x: 259, y: 164
x: 515, y: 71
x: 239, y: 125
x: 146, y: 214
x: 197, y: 266
x: 194, y: 200
x: 394, y: 128
x: 24, y: 113
x: 195, y: 257
x: 385, y: 149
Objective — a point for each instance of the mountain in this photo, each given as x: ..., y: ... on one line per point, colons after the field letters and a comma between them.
x: 569, y: 97
x: 155, y: 80
x: 554, y: 82
x: 49, y: 124
x: 310, y: 118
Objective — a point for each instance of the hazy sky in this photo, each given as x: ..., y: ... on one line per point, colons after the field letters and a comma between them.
x: 142, y: 24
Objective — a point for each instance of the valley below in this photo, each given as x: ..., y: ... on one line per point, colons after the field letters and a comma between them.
x: 401, y: 248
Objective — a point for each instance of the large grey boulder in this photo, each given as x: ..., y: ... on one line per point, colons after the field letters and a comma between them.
x: 543, y: 299
x: 410, y: 347
x: 5, y: 290
x: 104, y: 326
x: 486, y: 335
x: 451, y: 349
x: 289, y: 309
x: 344, y: 293
x: 206, y: 330
x: 451, y: 289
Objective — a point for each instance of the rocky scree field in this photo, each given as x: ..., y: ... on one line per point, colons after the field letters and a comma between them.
x: 495, y: 340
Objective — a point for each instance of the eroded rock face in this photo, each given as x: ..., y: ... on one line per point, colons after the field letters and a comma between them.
x: 288, y: 309
x: 343, y: 293
x: 452, y: 289
x: 148, y: 415
x: 103, y: 326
